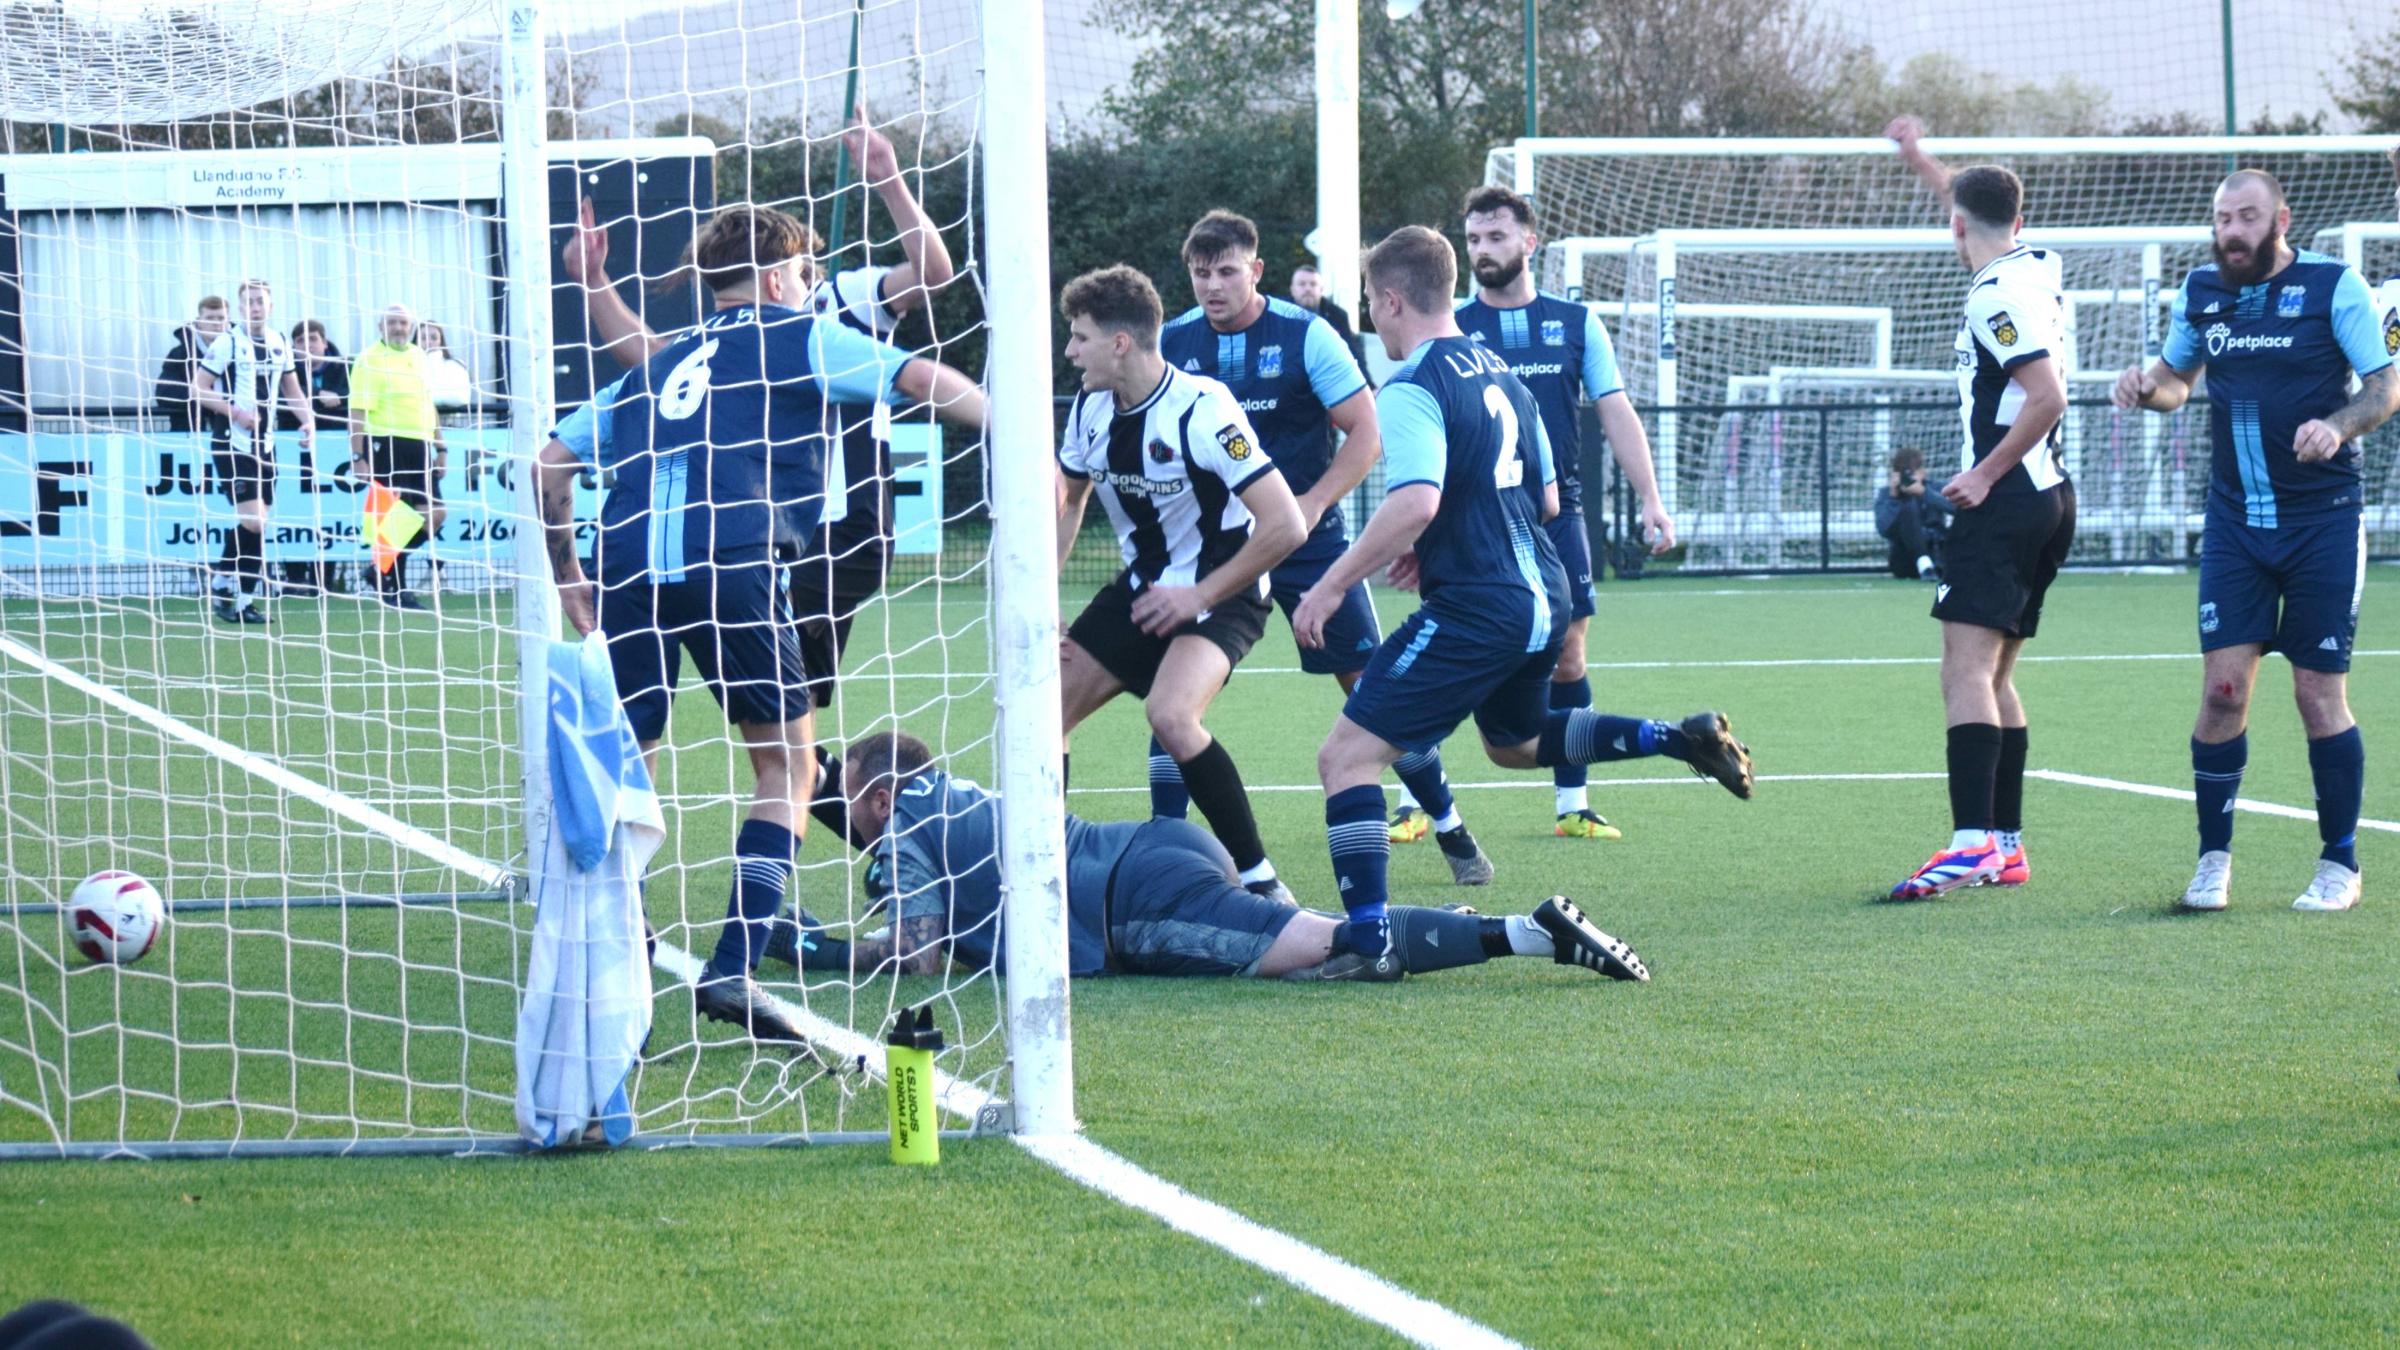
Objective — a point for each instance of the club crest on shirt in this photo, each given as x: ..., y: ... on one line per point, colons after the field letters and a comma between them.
x: 1236, y: 445
x: 2391, y: 333
x: 2004, y: 329
x: 1161, y: 452
x: 2288, y: 301
x: 1270, y: 362
x: 1554, y: 332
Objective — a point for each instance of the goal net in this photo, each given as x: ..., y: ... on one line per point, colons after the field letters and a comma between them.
x: 1784, y: 312
x: 325, y: 751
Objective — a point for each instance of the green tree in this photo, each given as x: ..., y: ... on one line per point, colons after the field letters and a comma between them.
x: 2372, y: 89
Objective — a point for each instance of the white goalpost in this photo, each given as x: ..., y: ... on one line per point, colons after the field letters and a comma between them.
x: 347, y: 806
x: 1715, y: 263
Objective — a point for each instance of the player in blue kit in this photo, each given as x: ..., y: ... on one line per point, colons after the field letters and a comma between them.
x: 2283, y: 551
x: 1154, y: 897
x: 718, y: 444
x: 1470, y: 479
x: 1559, y: 351
x: 1299, y: 385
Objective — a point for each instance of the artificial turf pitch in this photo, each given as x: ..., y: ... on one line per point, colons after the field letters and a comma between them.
x: 2059, y: 1114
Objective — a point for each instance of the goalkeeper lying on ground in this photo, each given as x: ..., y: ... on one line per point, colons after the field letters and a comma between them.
x: 1156, y: 897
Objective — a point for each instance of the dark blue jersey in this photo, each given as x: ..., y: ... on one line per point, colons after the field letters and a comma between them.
x: 1453, y: 416
x: 2279, y: 353
x: 943, y: 857
x: 1558, y: 349
x: 719, y: 442
x: 1285, y: 369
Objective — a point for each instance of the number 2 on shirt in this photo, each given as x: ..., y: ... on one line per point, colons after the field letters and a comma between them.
x: 1508, y: 471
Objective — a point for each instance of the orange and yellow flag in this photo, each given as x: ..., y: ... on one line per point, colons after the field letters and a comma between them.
x: 390, y: 524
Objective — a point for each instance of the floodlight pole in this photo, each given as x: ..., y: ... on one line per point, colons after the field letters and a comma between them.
x: 1337, y: 233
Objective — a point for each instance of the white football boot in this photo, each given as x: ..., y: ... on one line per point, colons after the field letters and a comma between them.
x: 2335, y: 888
x: 2210, y: 881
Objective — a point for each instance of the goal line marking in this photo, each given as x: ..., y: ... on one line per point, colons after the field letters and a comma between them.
x: 1351, y: 1288
x: 2186, y: 794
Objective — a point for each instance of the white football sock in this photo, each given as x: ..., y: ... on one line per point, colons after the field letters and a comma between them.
x: 2011, y: 840
x: 1450, y: 821
x: 1969, y: 839
x: 1265, y: 871
x: 1924, y: 564
x: 1574, y: 799
x: 1527, y: 938
x: 1408, y: 799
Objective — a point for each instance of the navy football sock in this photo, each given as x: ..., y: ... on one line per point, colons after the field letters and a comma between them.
x: 2338, y: 763
x: 762, y: 864
x: 1421, y: 773
x: 1581, y: 736
x: 1169, y: 798
x: 2008, y: 782
x: 1436, y: 939
x: 1567, y: 695
x: 2216, y: 781
x: 1362, y: 853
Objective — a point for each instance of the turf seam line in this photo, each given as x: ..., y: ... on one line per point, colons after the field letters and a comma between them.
x: 2186, y: 794
x: 1360, y: 1292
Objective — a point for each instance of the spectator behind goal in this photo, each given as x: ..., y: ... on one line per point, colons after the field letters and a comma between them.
x: 1914, y: 520
x: 176, y: 399
x: 452, y: 387
x: 324, y: 379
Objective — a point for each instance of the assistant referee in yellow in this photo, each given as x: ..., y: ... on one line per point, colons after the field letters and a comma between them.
x: 396, y: 439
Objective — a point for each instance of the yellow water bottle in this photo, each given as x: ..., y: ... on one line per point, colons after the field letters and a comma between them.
x: 908, y: 1075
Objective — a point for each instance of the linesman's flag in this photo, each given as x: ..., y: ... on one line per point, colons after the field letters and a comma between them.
x: 391, y: 525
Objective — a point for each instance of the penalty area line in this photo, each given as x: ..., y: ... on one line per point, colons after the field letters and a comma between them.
x: 1686, y: 780
x: 2186, y: 794
x: 1354, y: 1290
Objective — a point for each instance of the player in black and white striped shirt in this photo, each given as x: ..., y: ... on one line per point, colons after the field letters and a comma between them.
x: 243, y: 374
x: 1201, y: 514
x: 2016, y: 514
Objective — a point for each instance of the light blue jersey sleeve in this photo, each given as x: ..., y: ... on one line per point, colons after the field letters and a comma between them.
x: 1332, y: 372
x: 2357, y: 325
x: 2182, y: 349
x: 1600, y: 377
x: 1541, y: 447
x: 585, y: 430
x: 1416, y: 449
x: 855, y: 368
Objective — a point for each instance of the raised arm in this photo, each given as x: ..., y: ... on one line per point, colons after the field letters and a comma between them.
x: 623, y: 335
x: 1907, y: 132
x: 953, y: 396
x: 910, y: 285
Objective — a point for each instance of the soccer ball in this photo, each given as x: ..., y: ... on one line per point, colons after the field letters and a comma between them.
x: 115, y: 916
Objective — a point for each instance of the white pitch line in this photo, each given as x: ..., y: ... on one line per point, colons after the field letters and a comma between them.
x: 2186, y: 794
x: 871, y: 676
x: 1346, y: 1286
x: 1367, y: 1295
x: 1687, y: 780
x: 340, y: 804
